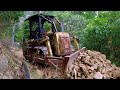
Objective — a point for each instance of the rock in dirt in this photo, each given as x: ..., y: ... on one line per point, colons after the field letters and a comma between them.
x: 98, y: 75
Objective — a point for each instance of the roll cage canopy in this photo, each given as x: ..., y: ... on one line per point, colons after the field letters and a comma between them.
x: 37, y: 21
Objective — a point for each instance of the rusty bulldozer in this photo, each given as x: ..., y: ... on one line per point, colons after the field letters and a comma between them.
x: 53, y: 47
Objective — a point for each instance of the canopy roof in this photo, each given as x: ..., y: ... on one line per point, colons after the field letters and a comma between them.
x: 40, y: 15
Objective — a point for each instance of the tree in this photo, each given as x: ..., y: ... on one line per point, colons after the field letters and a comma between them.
x: 102, y: 34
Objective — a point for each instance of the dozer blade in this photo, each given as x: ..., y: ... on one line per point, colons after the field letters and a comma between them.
x: 70, y: 59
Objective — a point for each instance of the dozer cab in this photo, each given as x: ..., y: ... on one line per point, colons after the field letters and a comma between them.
x: 53, y: 47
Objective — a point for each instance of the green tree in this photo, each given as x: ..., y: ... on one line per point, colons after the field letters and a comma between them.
x: 7, y: 20
x: 102, y: 34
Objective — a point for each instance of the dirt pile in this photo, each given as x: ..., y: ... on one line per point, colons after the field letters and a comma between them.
x: 10, y: 65
x: 44, y: 72
x: 92, y: 65
x: 50, y: 73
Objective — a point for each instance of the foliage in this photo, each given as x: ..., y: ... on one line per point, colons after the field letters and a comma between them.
x: 7, y: 20
x: 47, y: 26
x: 22, y: 32
x: 102, y: 34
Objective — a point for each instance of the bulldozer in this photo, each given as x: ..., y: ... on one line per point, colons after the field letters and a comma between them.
x: 53, y: 47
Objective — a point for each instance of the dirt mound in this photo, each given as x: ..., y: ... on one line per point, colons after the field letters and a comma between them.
x: 92, y: 65
x: 50, y: 73
x: 44, y: 72
x: 10, y: 65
